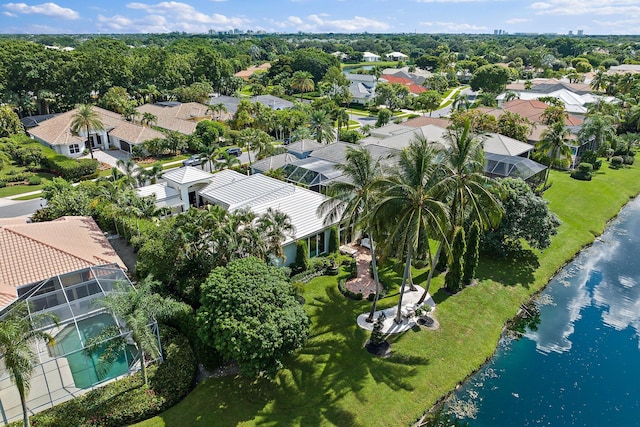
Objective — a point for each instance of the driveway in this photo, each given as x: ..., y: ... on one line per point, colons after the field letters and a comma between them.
x: 109, y: 157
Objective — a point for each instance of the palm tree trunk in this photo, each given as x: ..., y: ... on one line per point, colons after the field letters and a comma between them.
x: 25, y: 410
x: 407, y: 267
x: 374, y: 266
x: 433, y: 262
x: 89, y: 143
x: 143, y: 366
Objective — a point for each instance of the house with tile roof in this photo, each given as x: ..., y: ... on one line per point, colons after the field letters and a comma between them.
x: 177, y: 116
x: 414, y: 88
x: 56, y: 133
x: 33, y: 252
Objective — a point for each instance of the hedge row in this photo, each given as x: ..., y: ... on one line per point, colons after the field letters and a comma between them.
x: 70, y: 169
x: 127, y: 401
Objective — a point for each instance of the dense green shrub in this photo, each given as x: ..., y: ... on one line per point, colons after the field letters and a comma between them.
x: 127, y: 401
x: 591, y: 156
x: 302, y: 257
x: 3, y: 184
x: 70, y: 169
x: 629, y: 159
x: 616, y: 162
x: 334, y: 242
x: 346, y: 292
x: 453, y: 279
x: 34, y: 180
x: 583, y: 173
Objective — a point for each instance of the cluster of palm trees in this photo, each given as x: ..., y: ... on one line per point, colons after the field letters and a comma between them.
x: 428, y: 194
x: 215, y: 236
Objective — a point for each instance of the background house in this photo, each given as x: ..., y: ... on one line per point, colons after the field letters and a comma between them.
x: 370, y: 57
x: 55, y: 133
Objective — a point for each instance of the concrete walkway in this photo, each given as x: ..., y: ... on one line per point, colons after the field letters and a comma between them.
x: 409, y: 304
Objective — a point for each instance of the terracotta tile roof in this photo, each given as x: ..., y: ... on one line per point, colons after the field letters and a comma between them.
x: 418, y: 122
x: 182, y: 117
x: 531, y: 109
x: 33, y: 252
x: 413, y: 87
x: 57, y: 130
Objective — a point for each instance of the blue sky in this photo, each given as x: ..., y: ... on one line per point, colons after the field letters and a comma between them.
x: 374, y: 16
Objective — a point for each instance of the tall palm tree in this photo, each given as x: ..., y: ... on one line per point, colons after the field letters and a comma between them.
x: 460, y: 102
x: 18, y: 336
x: 86, y: 119
x: 352, y: 201
x: 139, y: 308
x: 342, y: 119
x: 471, y: 195
x: 411, y: 200
x: 554, y: 145
x: 274, y: 226
x: 226, y: 160
x: 302, y: 81
x: 321, y: 126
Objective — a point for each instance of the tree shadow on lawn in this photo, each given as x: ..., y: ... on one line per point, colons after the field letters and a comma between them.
x: 332, y: 365
x: 511, y: 270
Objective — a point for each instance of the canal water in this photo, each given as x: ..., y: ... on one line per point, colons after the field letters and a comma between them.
x: 579, y: 363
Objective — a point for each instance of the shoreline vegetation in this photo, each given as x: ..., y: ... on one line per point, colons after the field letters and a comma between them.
x: 333, y: 381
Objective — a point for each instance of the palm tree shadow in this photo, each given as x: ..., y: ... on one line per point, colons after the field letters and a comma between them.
x: 511, y: 270
x: 332, y: 365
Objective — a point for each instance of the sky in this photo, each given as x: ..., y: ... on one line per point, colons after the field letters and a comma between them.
x: 322, y: 16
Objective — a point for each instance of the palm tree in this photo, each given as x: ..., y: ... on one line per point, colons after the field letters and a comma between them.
x: 599, y: 129
x: 302, y: 81
x: 554, y: 145
x: 18, y: 336
x: 86, y: 119
x: 149, y: 119
x: 128, y: 168
x: 138, y: 308
x: 411, y: 200
x: 510, y: 96
x: 217, y: 109
x: 274, y: 226
x: 321, y: 126
x: 226, y: 160
x: 342, y: 119
x: 45, y: 99
x: 352, y: 200
x: 471, y: 195
x: 460, y: 102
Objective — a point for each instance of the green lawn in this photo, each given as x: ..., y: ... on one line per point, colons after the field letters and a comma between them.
x: 333, y: 381
x: 20, y: 189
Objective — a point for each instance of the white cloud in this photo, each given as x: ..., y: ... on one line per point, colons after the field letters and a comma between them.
x: 320, y: 23
x: 13, y: 15
x: 455, y: 26
x: 517, y: 20
x: 48, y: 9
x: 169, y: 16
x: 581, y: 7
x: 454, y: 1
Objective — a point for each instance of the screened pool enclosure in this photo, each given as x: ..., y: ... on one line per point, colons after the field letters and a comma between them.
x: 66, y: 368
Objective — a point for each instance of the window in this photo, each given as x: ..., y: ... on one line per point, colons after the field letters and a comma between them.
x: 316, y: 245
x: 74, y: 148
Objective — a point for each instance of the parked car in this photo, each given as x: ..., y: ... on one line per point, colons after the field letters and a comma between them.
x: 195, y: 160
x: 234, y: 151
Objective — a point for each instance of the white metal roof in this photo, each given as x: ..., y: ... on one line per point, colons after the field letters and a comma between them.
x: 301, y: 206
x: 161, y: 191
x: 186, y: 175
x: 246, y: 192
x: 500, y: 144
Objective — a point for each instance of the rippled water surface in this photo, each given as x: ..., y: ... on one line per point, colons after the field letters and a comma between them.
x: 581, y: 364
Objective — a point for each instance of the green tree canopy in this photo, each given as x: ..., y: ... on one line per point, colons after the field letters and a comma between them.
x: 250, y: 314
x: 490, y: 78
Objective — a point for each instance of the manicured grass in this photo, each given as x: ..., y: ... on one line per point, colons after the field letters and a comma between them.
x: 20, y: 189
x: 31, y: 197
x: 333, y: 381
x: 165, y: 160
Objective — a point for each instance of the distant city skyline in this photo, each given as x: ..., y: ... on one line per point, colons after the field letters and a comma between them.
x: 322, y: 16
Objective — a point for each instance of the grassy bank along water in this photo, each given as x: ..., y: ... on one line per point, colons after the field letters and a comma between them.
x: 333, y: 381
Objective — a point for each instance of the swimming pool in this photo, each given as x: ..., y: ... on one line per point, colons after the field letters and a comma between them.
x: 85, y: 369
